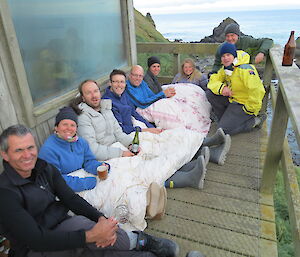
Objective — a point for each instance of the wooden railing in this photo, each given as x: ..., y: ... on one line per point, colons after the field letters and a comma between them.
x: 286, y: 105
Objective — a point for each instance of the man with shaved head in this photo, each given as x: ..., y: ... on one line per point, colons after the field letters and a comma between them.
x: 140, y: 94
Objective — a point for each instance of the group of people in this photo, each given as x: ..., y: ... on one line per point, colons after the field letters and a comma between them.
x: 39, y: 193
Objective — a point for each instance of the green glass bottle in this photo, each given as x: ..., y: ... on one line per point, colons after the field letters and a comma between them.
x: 135, y: 142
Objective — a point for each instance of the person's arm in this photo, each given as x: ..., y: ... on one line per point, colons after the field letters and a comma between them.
x: 22, y: 226
x: 261, y: 44
x: 127, y: 128
x: 143, y: 96
x: 256, y: 91
x: 138, y: 117
x: 217, y: 63
x: 90, y: 164
x: 175, y: 79
x: 87, y: 131
x: 217, y: 82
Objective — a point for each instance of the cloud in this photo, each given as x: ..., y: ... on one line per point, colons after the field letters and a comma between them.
x: 192, y: 6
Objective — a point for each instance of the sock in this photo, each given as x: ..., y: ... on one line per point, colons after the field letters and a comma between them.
x: 132, y: 239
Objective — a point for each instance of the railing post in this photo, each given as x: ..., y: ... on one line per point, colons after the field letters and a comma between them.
x: 176, y: 63
x: 275, y: 143
x: 268, y: 72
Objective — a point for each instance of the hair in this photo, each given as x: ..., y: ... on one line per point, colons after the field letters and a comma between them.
x: 78, y: 98
x: 15, y: 130
x: 116, y: 72
x: 196, y: 73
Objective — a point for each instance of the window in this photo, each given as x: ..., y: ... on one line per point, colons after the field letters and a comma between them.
x: 63, y: 42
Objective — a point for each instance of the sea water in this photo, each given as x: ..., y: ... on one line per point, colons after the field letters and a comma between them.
x: 275, y: 24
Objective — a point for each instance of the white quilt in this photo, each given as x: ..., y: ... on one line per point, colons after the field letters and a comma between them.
x: 189, y: 109
x: 130, y: 177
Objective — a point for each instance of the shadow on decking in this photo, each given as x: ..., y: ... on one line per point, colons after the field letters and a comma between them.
x: 228, y: 217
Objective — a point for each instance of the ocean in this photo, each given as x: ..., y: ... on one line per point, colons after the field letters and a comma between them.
x: 275, y: 24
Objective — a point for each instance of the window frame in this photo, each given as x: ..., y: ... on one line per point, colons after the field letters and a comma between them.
x: 17, y: 79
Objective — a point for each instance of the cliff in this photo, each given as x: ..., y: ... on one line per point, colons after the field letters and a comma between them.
x: 145, y: 29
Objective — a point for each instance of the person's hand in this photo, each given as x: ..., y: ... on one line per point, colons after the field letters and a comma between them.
x: 226, y: 91
x: 103, y: 234
x: 130, y: 147
x: 169, y: 92
x: 259, y: 57
x: 127, y: 154
x: 152, y: 130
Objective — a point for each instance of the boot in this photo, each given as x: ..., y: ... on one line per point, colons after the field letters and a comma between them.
x: 156, y: 198
x: 216, y: 139
x: 161, y: 247
x: 206, y: 154
x: 193, y: 178
x: 218, y: 154
x: 194, y: 254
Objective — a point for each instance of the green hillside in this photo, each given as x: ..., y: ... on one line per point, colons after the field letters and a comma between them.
x: 145, y: 29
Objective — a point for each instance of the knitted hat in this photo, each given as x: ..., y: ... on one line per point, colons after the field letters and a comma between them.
x: 232, y: 28
x: 228, y: 48
x: 152, y: 60
x: 66, y: 113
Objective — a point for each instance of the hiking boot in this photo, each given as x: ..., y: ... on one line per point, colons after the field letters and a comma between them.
x: 259, y: 120
x: 194, y: 254
x: 161, y: 247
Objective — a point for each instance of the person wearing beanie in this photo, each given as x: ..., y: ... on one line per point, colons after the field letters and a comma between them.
x: 234, y: 36
x: 236, y: 92
x: 68, y: 152
x: 152, y: 73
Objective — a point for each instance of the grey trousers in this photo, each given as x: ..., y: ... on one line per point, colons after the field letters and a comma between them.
x: 231, y: 117
x: 120, y: 248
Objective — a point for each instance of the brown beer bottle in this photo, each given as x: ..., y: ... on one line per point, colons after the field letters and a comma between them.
x: 289, y: 51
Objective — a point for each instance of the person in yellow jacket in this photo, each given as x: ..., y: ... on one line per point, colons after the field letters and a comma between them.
x: 236, y: 92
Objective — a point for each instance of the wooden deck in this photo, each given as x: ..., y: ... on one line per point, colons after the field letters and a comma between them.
x: 229, y: 217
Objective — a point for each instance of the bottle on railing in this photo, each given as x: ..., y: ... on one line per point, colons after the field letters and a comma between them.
x: 135, y: 142
x: 289, y: 51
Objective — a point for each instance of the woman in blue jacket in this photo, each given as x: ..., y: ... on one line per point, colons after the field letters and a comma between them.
x: 122, y: 108
x: 68, y: 152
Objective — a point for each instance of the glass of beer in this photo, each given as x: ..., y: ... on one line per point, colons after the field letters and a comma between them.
x: 102, y: 172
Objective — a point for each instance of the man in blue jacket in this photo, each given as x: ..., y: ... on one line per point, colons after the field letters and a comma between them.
x: 122, y: 107
x: 140, y: 94
x: 35, y: 208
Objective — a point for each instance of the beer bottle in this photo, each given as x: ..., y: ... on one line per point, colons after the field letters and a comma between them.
x: 135, y: 142
x: 289, y: 51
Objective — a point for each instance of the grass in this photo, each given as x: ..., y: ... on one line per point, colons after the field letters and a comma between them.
x: 283, y: 227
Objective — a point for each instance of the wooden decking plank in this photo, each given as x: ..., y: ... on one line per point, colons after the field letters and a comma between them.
x: 205, y: 234
x: 241, y: 181
x: 231, y: 191
x: 217, y: 202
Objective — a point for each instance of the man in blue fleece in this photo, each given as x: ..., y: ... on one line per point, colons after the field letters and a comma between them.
x: 140, y: 94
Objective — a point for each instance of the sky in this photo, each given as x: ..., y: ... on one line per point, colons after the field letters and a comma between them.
x: 196, y: 6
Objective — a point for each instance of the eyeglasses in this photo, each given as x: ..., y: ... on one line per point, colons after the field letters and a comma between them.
x: 137, y: 75
x: 118, y: 82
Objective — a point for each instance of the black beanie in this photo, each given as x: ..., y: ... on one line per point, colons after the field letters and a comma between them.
x: 66, y: 113
x: 232, y: 28
x: 152, y: 60
x: 228, y: 48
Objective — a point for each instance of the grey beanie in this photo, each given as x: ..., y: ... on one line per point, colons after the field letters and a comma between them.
x: 232, y: 28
